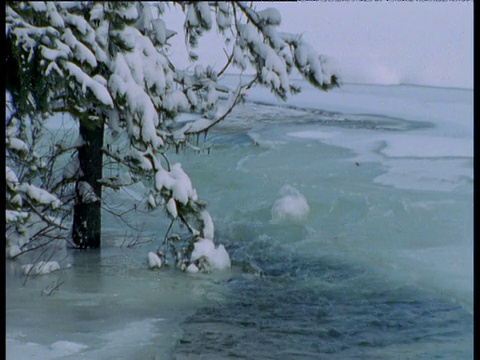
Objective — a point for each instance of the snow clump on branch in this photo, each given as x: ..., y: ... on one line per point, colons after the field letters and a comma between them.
x: 112, y: 68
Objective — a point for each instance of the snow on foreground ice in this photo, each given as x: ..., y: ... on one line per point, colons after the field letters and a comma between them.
x: 136, y: 334
x: 292, y: 206
x: 18, y: 350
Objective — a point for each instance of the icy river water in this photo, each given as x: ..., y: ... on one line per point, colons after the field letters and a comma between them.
x: 348, y: 217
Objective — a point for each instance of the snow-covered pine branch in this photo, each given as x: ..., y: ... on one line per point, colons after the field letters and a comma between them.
x: 106, y: 64
x: 34, y: 214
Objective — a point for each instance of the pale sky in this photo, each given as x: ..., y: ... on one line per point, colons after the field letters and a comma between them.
x: 381, y: 42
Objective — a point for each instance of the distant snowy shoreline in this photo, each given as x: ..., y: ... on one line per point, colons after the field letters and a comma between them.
x: 298, y: 78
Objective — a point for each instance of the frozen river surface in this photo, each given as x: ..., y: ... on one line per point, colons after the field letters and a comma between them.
x: 348, y: 216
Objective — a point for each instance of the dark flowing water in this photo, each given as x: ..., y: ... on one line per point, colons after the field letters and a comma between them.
x: 318, y: 308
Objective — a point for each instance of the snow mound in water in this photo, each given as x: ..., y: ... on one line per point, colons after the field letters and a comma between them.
x: 154, y: 260
x: 292, y: 206
x: 214, y: 257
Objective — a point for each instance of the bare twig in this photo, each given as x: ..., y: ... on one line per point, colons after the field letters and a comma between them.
x: 52, y: 289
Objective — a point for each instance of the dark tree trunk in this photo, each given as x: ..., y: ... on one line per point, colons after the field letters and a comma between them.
x: 87, y: 219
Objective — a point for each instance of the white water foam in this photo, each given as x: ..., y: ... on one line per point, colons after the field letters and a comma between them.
x: 291, y: 207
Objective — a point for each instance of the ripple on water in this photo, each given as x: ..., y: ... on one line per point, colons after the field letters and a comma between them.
x: 325, y: 310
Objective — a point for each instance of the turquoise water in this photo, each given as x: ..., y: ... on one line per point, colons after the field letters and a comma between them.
x: 379, y: 267
x: 357, y: 278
